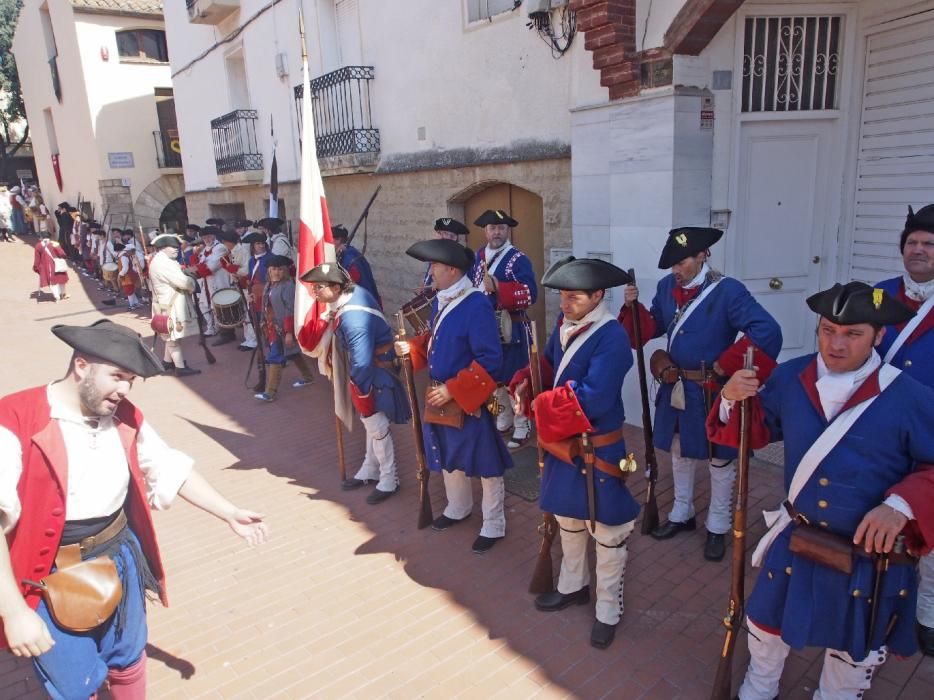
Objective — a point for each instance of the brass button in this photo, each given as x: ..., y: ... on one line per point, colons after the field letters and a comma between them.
x: 856, y: 593
x: 824, y: 481
x: 903, y: 593
x: 770, y: 575
x: 788, y: 570
x: 907, y: 363
x: 577, y: 413
x: 822, y: 503
x: 823, y: 523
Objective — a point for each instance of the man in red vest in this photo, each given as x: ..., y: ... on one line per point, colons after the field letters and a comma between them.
x: 80, y: 469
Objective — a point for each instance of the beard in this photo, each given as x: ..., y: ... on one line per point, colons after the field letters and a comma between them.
x: 93, y: 401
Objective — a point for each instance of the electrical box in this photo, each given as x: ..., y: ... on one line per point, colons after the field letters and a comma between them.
x: 538, y: 7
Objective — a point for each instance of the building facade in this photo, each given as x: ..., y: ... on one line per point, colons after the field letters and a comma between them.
x: 98, y: 94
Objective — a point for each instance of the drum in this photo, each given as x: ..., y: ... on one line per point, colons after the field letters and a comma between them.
x: 418, y: 311
x: 229, y: 311
x: 504, y: 323
x: 109, y: 272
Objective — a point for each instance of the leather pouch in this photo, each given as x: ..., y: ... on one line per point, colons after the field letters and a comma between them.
x: 83, y: 595
x: 663, y: 367
x: 822, y: 547
x: 450, y: 415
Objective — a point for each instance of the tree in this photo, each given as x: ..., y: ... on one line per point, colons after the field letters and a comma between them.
x: 12, y: 108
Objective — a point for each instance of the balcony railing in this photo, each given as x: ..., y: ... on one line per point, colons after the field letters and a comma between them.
x: 168, y: 150
x: 340, y: 102
x: 56, y: 81
x: 236, y: 148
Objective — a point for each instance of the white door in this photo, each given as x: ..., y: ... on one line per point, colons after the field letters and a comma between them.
x: 895, y: 166
x: 781, y: 219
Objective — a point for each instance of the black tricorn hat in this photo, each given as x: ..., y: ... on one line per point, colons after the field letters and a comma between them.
x: 113, y: 343
x: 685, y: 242
x: 254, y: 237
x: 452, y: 225
x: 279, y: 261
x: 586, y: 274
x: 230, y: 236
x: 63, y: 205
x: 215, y: 221
x: 441, y: 250
x: 166, y: 240
x: 192, y: 227
x: 118, y: 247
x: 339, y: 233
x: 273, y: 224
x: 495, y: 216
x: 327, y: 273
x: 243, y: 223
x: 857, y: 302
x: 923, y: 220
x: 210, y: 231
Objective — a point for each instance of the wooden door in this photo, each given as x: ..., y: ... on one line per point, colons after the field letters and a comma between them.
x: 526, y: 208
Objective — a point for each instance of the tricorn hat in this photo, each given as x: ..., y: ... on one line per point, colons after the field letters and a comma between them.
x: 328, y: 273
x: 215, y: 221
x: 923, y: 220
x: 210, y: 231
x: 495, y: 216
x: 229, y: 236
x: 686, y: 242
x: 192, y: 227
x: 253, y: 237
x: 166, y: 240
x: 586, y: 274
x: 444, y: 251
x: 112, y: 343
x: 243, y: 223
x: 857, y: 302
x: 451, y: 225
x: 272, y: 223
x: 279, y: 261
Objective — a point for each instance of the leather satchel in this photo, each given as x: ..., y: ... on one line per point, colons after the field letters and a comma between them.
x: 822, y: 547
x: 81, y: 596
x: 663, y: 367
x: 450, y: 415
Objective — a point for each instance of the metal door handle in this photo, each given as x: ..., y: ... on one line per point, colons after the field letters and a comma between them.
x: 815, y: 259
x: 776, y: 283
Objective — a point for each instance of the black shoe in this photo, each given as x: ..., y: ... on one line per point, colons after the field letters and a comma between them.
x: 376, y: 496
x: 245, y: 348
x: 351, y: 484
x: 926, y: 639
x: 714, y: 547
x: 482, y: 544
x: 602, y: 634
x: 550, y: 602
x: 186, y: 371
x: 443, y: 522
x: 168, y: 366
x: 672, y: 528
x: 109, y: 302
x: 223, y: 339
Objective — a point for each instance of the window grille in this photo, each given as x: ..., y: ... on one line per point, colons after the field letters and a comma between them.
x: 791, y: 63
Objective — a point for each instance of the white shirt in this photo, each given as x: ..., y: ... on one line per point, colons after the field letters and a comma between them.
x: 98, y: 473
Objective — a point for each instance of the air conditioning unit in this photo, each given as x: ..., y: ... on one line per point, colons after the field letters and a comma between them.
x: 211, y: 11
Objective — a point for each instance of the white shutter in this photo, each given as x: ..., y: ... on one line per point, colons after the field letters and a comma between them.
x: 348, y: 32
x: 896, y: 145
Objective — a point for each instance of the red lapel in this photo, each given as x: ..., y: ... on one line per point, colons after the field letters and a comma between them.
x: 51, y: 443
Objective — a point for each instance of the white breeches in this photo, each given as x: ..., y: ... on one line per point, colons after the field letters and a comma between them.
x: 379, y: 464
x: 722, y: 478
x: 459, y: 491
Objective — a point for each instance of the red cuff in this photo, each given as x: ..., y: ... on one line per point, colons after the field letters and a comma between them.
x: 231, y: 268
x: 728, y: 434
x: 365, y: 404
x: 918, y: 491
x: 418, y: 351
x: 521, y: 400
x: 733, y: 358
x: 471, y: 387
x: 559, y: 415
x: 288, y: 324
x: 647, y: 326
x: 513, y: 296
x: 202, y: 270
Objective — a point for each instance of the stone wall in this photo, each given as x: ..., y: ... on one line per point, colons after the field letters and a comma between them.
x: 116, y: 203
x: 406, y: 209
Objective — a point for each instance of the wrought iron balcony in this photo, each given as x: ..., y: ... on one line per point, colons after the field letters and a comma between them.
x: 168, y: 149
x: 340, y: 102
x: 56, y: 80
x: 236, y: 148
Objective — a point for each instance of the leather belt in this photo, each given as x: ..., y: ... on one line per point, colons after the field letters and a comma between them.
x: 92, y: 542
x: 567, y: 450
x: 673, y: 374
x: 389, y: 364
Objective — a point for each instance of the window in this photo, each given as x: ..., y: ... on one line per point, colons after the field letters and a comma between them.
x: 791, y: 63
x: 485, y: 9
x: 142, y: 45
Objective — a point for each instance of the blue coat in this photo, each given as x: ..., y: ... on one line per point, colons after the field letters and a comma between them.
x: 814, y: 605
x: 915, y: 358
x: 360, y: 272
x: 516, y: 267
x: 261, y: 261
x: 467, y: 333
x: 710, y: 329
x: 359, y: 334
x: 597, y: 371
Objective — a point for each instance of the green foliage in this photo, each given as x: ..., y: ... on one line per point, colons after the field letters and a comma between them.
x: 11, y: 107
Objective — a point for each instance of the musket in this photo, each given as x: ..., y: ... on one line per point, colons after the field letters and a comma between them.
x: 253, y: 315
x: 589, y: 460
x: 734, y: 619
x: 650, y: 513
x: 363, y: 215
x: 543, y: 577
x: 208, y: 355
x: 425, y: 515
x: 339, y: 433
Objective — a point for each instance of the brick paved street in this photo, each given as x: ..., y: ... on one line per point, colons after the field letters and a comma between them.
x: 350, y: 600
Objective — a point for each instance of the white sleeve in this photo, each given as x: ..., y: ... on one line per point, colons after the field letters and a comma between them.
x: 165, y: 469
x: 11, y: 467
x: 726, y: 408
x: 901, y: 505
x: 124, y: 265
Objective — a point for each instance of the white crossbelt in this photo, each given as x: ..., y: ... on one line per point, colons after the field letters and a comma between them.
x: 909, y: 329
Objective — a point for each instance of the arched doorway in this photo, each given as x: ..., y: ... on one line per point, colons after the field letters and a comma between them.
x: 526, y: 208
x: 174, y: 216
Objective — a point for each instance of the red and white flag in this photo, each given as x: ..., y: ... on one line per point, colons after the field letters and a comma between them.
x: 315, y: 244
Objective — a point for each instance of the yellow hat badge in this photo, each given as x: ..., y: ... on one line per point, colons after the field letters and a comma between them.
x: 877, y: 298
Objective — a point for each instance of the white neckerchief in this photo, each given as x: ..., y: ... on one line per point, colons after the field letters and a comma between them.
x: 334, y: 306
x: 917, y: 291
x: 446, y: 296
x: 699, y: 279
x: 498, y: 253
x: 836, y: 388
x: 569, y: 327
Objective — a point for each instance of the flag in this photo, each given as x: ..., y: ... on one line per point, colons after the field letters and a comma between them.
x: 273, y: 178
x: 315, y: 244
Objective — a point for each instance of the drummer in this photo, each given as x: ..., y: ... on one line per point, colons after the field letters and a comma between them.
x: 452, y: 230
